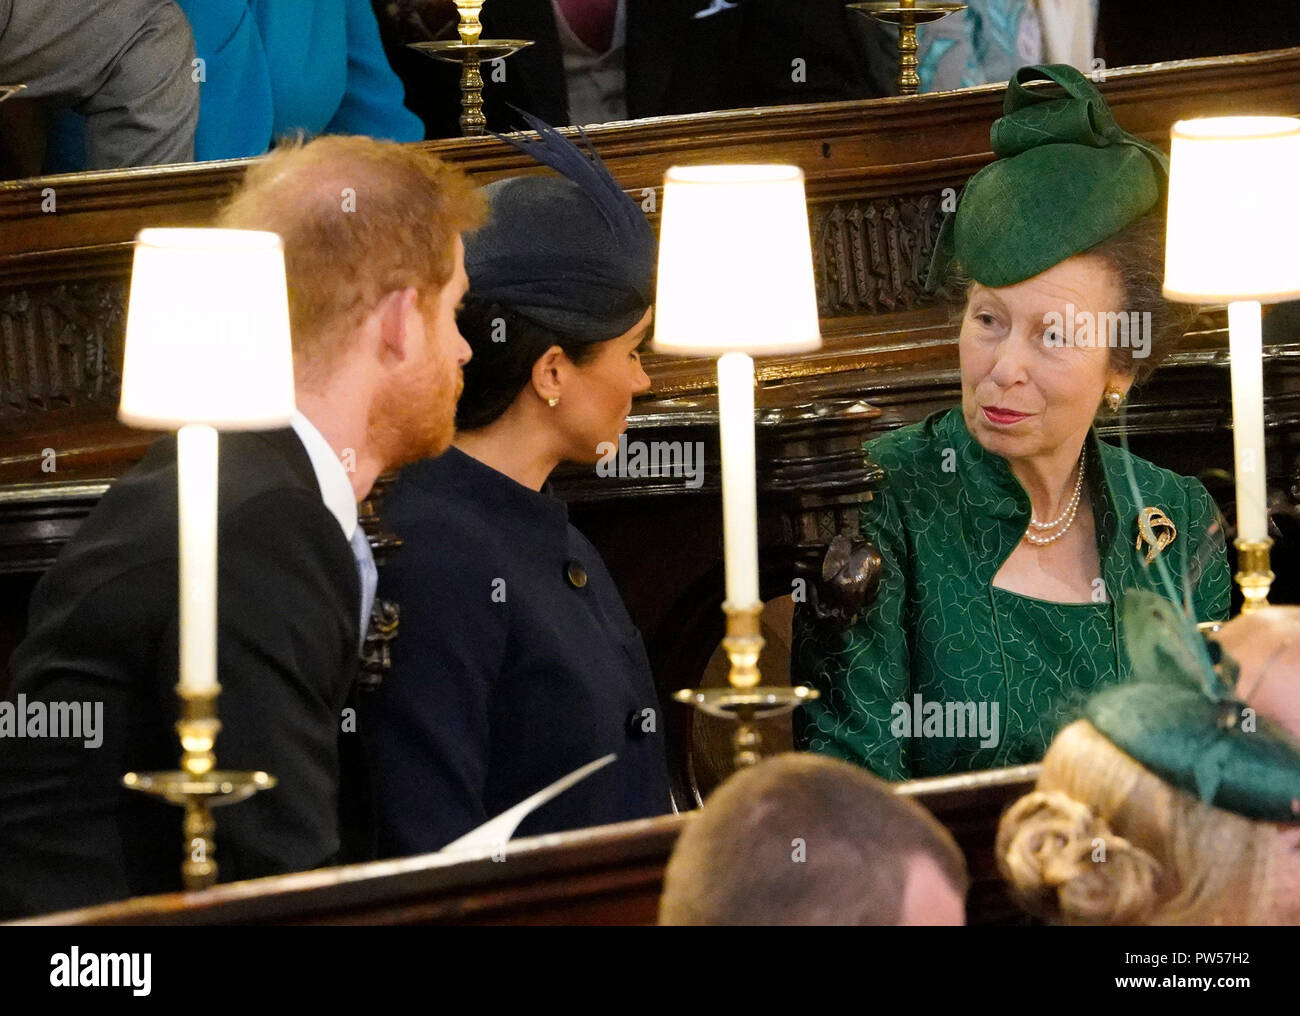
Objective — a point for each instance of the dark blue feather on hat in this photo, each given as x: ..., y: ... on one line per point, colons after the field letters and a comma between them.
x: 575, y: 255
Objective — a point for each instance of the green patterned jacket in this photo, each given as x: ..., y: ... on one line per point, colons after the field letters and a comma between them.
x: 943, y: 673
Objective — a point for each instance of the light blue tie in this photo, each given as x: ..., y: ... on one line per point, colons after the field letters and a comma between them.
x: 368, y: 573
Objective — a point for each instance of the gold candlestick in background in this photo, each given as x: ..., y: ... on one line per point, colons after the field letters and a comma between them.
x: 198, y: 786
x: 905, y: 16
x: 470, y: 28
x: 745, y: 702
x: 470, y: 51
x: 1254, y: 572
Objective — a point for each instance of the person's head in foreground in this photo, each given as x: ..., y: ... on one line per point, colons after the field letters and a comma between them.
x: 375, y: 269
x: 1266, y: 645
x: 561, y: 286
x: 803, y: 839
x: 1060, y: 246
x: 1167, y: 804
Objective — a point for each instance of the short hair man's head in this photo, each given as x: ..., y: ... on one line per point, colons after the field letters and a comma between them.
x: 375, y: 268
x: 1266, y: 645
x: 805, y: 839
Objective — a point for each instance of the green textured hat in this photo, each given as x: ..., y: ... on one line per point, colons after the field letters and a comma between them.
x: 1066, y: 178
x: 1179, y: 717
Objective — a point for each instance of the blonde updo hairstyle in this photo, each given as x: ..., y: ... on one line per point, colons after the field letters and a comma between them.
x: 1103, y: 840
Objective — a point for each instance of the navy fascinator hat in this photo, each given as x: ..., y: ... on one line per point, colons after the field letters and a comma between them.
x: 572, y: 254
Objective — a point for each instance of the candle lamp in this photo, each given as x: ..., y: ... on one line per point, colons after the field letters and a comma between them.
x: 470, y: 51
x: 735, y: 280
x: 906, y: 16
x: 1232, y: 223
x: 207, y: 349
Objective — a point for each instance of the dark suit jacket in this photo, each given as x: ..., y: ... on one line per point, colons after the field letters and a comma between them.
x: 676, y: 63
x: 103, y: 628
x: 516, y: 664
x: 1140, y: 33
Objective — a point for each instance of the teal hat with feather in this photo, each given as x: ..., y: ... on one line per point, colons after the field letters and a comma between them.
x: 1066, y: 178
x: 1180, y: 717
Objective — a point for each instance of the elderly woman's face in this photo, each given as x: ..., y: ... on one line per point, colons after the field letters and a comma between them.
x: 1027, y: 391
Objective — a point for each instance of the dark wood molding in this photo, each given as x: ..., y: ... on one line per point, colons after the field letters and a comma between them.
x: 859, y: 150
x: 603, y: 875
x: 61, y: 347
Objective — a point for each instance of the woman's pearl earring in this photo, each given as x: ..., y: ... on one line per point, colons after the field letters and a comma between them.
x: 553, y: 401
x: 1114, y: 398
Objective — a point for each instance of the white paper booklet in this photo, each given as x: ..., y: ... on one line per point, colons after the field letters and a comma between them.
x: 495, y: 832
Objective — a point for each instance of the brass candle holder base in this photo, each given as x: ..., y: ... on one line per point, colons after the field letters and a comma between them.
x: 745, y: 701
x: 199, y: 787
x: 1254, y: 572
x: 906, y: 17
x: 469, y: 55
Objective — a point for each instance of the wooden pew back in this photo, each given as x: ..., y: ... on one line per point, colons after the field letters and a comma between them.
x: 605, y: 875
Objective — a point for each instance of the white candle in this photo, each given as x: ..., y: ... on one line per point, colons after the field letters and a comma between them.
x: 1246, y: 352
x: 196, y: 468
x: 739, y: 495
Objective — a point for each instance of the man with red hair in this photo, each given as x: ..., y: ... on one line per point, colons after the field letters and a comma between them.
x: 375, y: 270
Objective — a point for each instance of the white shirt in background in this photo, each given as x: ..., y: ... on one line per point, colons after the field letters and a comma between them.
x: 335, y: 487
x: 597, y: 82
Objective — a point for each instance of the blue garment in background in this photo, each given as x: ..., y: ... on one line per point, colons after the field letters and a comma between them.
x: 984, y: 43
x: 272, y: 68
x: 987, y: 42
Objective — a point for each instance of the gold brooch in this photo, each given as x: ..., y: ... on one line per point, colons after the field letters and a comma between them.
x: 1154, y: 529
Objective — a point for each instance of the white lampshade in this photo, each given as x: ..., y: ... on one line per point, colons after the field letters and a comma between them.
x: 207, y: 331
x: 1234, y: 217
x: 735, y: 262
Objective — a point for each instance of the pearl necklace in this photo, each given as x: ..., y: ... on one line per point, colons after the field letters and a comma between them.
x: 1062, y: 522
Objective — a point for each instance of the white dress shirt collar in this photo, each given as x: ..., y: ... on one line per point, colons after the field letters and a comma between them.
x: 335, y: 487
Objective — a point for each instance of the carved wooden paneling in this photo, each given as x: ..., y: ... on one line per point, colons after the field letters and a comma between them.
x: 873, y: 256
x: 876, y: 173
x: 61, y: 346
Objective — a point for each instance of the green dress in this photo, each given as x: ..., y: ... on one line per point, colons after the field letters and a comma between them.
x: 942, y: 672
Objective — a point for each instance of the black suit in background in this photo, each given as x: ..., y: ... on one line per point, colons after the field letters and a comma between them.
x: 676, y: 63
x: 103, y: 628
x: 1131, y: 33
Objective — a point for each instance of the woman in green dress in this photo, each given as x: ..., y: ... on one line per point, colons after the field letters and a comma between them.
x: 1007, y: 530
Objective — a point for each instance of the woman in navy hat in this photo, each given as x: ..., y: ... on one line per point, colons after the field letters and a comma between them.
x: 516, y: 661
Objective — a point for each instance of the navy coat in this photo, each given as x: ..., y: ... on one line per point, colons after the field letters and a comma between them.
x: 515, y: 662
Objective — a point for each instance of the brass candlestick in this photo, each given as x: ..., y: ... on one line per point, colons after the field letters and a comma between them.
x: 1254, y: 572
x: 198, y: 786
x: 906, y: 16
x: 745, y: 701
x: 470, y: 51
